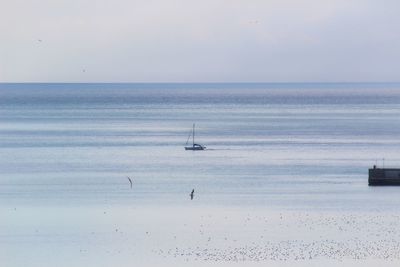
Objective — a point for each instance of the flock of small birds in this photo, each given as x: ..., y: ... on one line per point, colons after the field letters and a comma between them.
x: 274, y: 237
x: 351, y: 237
x: 295, y: 250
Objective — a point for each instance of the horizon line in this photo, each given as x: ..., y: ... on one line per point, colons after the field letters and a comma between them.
x: 210, y: 82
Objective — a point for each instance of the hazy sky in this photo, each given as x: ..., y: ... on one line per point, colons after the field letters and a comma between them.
x: 199, y: 41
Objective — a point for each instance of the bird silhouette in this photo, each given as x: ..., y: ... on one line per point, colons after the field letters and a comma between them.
x: 130, y: 181
x: 192, y: 195
x: 254, y: 22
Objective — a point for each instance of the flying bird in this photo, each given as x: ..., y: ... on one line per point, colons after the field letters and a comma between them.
x: 254, y: 22
x: 130, y: 181
x: 192, y: 195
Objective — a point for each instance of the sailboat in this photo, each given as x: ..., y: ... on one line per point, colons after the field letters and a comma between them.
x: 193, y: 146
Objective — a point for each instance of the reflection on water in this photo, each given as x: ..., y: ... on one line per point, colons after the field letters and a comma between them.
x: 285, y: 145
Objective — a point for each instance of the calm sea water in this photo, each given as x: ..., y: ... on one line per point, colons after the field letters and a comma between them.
x: 292, y: 146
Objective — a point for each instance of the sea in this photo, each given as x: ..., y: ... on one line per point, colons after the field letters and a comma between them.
x: 283, y: 180
x: 276, y: 145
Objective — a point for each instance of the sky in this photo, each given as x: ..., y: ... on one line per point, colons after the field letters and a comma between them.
x: 199, y: 41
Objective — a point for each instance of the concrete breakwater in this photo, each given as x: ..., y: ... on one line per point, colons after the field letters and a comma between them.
x: 384, y: 176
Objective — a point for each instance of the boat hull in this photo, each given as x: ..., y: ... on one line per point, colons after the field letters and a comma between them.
x: 195, y: 147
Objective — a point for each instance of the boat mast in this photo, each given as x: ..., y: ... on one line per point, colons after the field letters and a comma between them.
x: 193, y: 134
